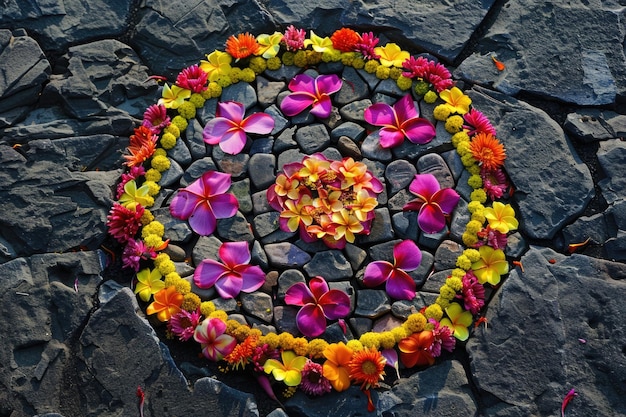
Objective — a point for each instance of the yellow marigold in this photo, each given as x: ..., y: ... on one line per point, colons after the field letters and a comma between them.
x: 300, y: 346
x: 463, y: 262
x: 442, y: 302
x: 441, y: 113
x: 469, y: 239
x: 191, y: 302
x: 187, y: 110
x: 358, y: 63
x: 370, y: 339
x: 434, y: 311
x: 479, y: 217
x: 256, y: 333
x: 175, y: 276
x: 387, y: 340
x: 219, y: 314
x: 354, y: 345
x: 147, y: 217
x: 197, y: 100
x: 167, y: 267
x: 160, y: 152
x: 430, y: 97
x: 415, y: 323
x: 214, y: 90
x: 457, y: 273
x: 274, y: 63
x: 371, y: 66
x: 478, y: 195
x: 399, y: 333
x: 161, y: 257
x: 468, y: 160
x: 447, y: 292
x: 168, y: 141
x: 316, y: 348
x: 475, y: 181
x: 153, y: 228
x: 248, y: 75
x: 240, y: 332
x: 160, y: 163
x: 455, y: 283
x: 288, y: 58
x: 286, y: 340
x: 404, y: 83
x: 182, y: 286
x: 271, y: 339
x: 472, y: 254
x: 473, y: 227
x: 153, y: 188
x: 459, y: 137
x: 181, y: 123
x: 475, y: 207
x: 382, y: 73
x: 153, y: 241
x: 207, y: 307
x: 463, y: 148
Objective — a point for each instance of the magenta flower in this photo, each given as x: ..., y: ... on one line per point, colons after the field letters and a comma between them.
x: 477, y: 122
x: 193, y: 78
x: 406, y: 257
x: 366, y: 46
x: 400, y: 121
x: 183, y: 324
x: 214, y: 341
x: 318, y: 304
x: 234, y: 275
x: 442, y: 338
x: 135, y: 172
x: 229, y: 128
x: 294, y: 38
x: 432, y: 203
x: 473, y: 293
x: 155, y: 118
x: 309, y: 91
x: 134, y: 252
x: 204, y: 201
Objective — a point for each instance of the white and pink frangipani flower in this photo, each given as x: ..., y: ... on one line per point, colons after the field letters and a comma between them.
x: 211, y: 334
x: 308, y: 91
x: 406, y: 257
x: 229, y: 127
x: 400, y: 121
x: 204, y: 201
x: 233, y: 275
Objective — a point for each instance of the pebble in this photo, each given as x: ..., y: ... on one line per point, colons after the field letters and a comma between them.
x: 329, y: 264
x: 261, y: 169
x: 372, y: 303
x: 286, y: 255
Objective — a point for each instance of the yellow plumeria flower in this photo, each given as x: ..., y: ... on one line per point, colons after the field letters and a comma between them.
x: 391, y: 55
x: 148, y: 283
x: 456, y: 101
x: 173, y: 97
x: 133, y: 195
x: 319, y: 44
x: 217, y: 63
x: 289, y: 371
x: 501, y: 217
x: 491, y: 265
x: 270, y: 44
x: 458, y: 321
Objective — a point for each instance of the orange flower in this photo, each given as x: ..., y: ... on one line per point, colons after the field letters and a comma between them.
x: 345, y: 39
x: 336, y: 368
x: 488, y: 151
x: 142, y: 146
x: 166, y: 303
x: 416, y: 349
x: 242, y: 46
x: 242, y: 353
x: 367, y: 367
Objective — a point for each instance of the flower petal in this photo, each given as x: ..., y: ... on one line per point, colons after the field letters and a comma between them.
x: 407, y: 255
x: 296, y: 103
x: 311, y: 320
x: 252, y: 277
x: 318, y: 286
x: 216, y: 128
x: 380, y: 114
x: 376, y: 273
x: 390, y: 137
x: 233, y: 141
x: 224, y: 205
x: 231, y: 110
x: 400, y: 285
x: 424, y: 185
x: 430, y: 218
x: 335, y: 304
x: 234, y: 253
x: 303, y: 83
x: 261, y: 123
x: 419, y: 130
x: 329, y: 83
x: 322, y: 107
x: 298, y: 295
x: 405, y: 109
x: 202, y: 220
x: 208, y: 272
x: 229, y: 285
x: 183, y: 204
x: 447, y: 199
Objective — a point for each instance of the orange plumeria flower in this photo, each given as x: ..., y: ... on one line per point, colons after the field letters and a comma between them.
x: 336, y: 368
x: 346, y: 225
x: 166, y: 303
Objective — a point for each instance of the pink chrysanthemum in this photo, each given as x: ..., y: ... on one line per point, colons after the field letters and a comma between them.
x: 261, y: 354
x: 313, y: 381
x: 155, y: 118
x: 123, y: 223
x: 135, y: 172
x: 366, y: 46
x: 476, y: 122
x: 415, y: 67
x: 134, y: 252
x: 193, y: 78
x: 294, y: 38
x: 430, y: 71
x: 473, y: 293
x: 442, y: 339
x: 183, y: 324
x: 492, y: 237
x: 494, y: 182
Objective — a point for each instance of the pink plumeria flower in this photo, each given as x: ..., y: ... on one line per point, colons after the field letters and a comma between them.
x: 229, y: 127
x: 233, y: 275
x: 309, y: 91
x: 432, y: 203
x: 214, y: 341
x: 318, y: 304
x: 406, y: 257
x: 400, y: 121
x: 204, y: 201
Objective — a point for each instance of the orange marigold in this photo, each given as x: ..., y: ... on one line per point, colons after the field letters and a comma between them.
x: 367, y: 367
x: 242, y: 353
x: 242, y: 46
x: 141, y: 147
x: 488, y: 151
x: 345, y: 39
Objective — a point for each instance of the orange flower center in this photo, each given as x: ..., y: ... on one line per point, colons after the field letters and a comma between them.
x: 369, y: 368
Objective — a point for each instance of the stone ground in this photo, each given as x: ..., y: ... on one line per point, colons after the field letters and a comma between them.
x: 73, y: 84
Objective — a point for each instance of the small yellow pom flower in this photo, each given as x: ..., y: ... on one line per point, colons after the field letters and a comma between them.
x: 370, y: 339
x: 187, y: 110
x: 478, y: 195
x: 455, y: 283
x: 191, y: 302
x: 371, y: 66
x: 160, y: 163
x: 197, y: 100
x: 355, y: 345
x: 434, y: 311
x: 473, y: 227
x: 463, y: 262
x: 168, y: 141
x: 207, y: 307
x: 459, y: 137
x: 415, y: 323
x: 472, y: 254
x: 274, y: 64
x: 475, y: 181
x: 172, y: 129
x: 454, y: 124
x: 469, y: 239
x: 404, y: 83
x: 430, y: 97
x: 382, y: 72
x: 441, y: 113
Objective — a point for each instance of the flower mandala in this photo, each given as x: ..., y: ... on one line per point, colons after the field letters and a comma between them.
x: 317, y: 211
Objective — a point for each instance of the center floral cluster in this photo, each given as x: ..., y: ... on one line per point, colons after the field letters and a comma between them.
x: 333, y: 201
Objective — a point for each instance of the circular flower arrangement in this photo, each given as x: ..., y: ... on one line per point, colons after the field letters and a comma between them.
x: 322, y: 198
